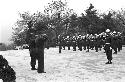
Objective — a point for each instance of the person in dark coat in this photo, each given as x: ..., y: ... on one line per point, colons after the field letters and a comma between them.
x: 7, y: 74
x: 40, y: 42
x: 30, y: 40
x: 3, y: 62
x: 36, y: 48
x: 33, y: 54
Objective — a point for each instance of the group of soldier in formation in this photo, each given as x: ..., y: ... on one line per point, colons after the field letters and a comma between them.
x: 106, y: 40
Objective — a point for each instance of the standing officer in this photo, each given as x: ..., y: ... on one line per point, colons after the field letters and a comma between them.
x: 30, y: 39
x: 33, y: 53
x: 107, y: 47
x: 40, y: 42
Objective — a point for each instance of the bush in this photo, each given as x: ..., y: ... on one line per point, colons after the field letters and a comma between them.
x: 4, y: 47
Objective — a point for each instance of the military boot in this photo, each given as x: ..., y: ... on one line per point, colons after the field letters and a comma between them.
x: 33, y: 68
x: 109, y: 62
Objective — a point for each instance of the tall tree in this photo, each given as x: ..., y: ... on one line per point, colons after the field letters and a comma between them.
x: 92, y: 20
x: 58, y: 13
x: 119, y: 20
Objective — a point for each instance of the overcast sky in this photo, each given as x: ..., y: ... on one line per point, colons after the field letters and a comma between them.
x: 9, y: 10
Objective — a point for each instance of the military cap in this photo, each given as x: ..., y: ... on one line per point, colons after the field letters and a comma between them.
x: 107, y: 30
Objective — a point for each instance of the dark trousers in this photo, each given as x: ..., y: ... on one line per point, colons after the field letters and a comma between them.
x: 60, y: 47
x: 80, y: 47
x: 96, y: 48
x: 84, y: 46
x: 74, y: 47
x: 119, y: 47
x: 88, y: 47
x: 109, y: 54
x: 37, y: 54
x: 68, y: 47
x: 115, y: 49
x: 7, y: 74
x: 63, y: 47
x: 108, y: 51
x: 33, y: 55
x: 33, y: 62
x: 40, y: 61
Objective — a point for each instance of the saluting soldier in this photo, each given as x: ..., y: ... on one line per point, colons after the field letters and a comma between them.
x: 87, y: 42
x: 119, y: 42
x: 101, y: 41
x: 96, y: 42
x: 60, y: 43
x: 68, y: 42
x: 63, y: 42
x: 114, y: 42
x: 84, y: 42
x: 91, y: 42
x: 74, y: 44
x: 103, y: 38
x: 107, y: 47
x: 79, y: 42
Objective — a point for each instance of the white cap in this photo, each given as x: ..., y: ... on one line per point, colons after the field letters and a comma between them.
x: 114, y: 32
x: 36, y: 35
x: 107, y: 30
x: 67, y: 36
x: 79, y: 35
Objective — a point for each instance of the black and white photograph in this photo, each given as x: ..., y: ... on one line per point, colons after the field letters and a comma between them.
x: 62, y: 40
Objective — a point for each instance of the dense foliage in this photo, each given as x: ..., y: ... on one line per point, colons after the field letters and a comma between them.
x: 58, y: 19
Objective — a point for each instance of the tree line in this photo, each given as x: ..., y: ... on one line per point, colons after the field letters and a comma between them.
x: 58, y: 19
